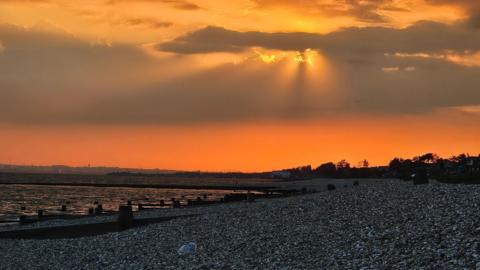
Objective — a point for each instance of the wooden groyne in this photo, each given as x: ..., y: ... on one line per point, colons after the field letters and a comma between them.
x: 83, y: 230
x: 98, y: 210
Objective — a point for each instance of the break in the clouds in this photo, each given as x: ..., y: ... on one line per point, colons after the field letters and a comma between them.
x: 58, y: 79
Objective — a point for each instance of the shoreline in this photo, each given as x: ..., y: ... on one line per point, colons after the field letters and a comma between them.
x: 377, y: 225
x: 319, y: 185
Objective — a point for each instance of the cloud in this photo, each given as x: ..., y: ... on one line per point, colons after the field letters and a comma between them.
x: 45, y: 72
x: 2, y: 48
x: 390, y: 69
x: 25, y: 1
x: 146, y: 22
x: 423, y: 36
x: 471, y: 7
x: 231, y: 93
x: 467, y: 59
x: 55, y: 78
x: 184, y: 5
x: 177, y: 4
x: 365, y: 11
x: 469, y: 110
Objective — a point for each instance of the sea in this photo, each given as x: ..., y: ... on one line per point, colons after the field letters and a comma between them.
x: 20, y: 199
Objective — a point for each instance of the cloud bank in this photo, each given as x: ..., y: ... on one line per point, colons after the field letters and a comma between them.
x: 55, y: 78
x: 423, y: 36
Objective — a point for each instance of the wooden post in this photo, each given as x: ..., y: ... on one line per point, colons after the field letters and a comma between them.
x: 125, y: 217
x: 40, y: 213
x: 162, y: 203
x: 99, y: 209
x: 129, y: 202
x: 64, y: 208
x: 23, y: 208
x: 140, y: 207
x: 91, y: 211
x: 175, y: 204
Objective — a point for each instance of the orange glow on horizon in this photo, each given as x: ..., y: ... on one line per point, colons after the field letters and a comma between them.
x: 240, y: 147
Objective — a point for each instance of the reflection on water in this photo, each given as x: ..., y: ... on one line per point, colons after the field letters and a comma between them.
x: 79, y: 199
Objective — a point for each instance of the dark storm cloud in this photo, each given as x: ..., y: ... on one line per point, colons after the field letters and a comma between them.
x: 420, y: 37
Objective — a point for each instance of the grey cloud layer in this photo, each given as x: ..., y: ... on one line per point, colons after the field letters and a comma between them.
x: 55, y: 78
x: 420, y: 37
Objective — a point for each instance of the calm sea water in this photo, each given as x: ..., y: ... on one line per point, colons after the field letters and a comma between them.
x: 80, y: 199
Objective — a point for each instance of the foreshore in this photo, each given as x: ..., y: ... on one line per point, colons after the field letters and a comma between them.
x: 386, y: 224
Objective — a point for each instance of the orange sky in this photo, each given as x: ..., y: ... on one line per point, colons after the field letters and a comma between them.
x: 236, y: 85
x: 246, y: 147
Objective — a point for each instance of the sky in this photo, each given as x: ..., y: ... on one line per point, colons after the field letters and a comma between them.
x: 240, y: 85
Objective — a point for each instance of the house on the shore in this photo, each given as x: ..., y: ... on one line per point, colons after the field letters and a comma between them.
x: 284, y: 174
x: 473, y: 164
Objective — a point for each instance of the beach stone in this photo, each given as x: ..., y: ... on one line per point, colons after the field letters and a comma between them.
x: 379, y: 225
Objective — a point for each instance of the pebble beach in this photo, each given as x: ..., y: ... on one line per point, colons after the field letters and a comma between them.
x: 380, y: 225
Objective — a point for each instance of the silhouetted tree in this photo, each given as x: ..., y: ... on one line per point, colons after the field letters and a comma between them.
x: 326, y: 170
x: 343, y: 164
x: 428, y: 158
x: 395, y: 165
x: 363, y: 164
x: 402, y: 168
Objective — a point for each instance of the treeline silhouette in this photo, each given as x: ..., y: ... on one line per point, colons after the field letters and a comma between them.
x: 341, y: 169
x: 460, y: 168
